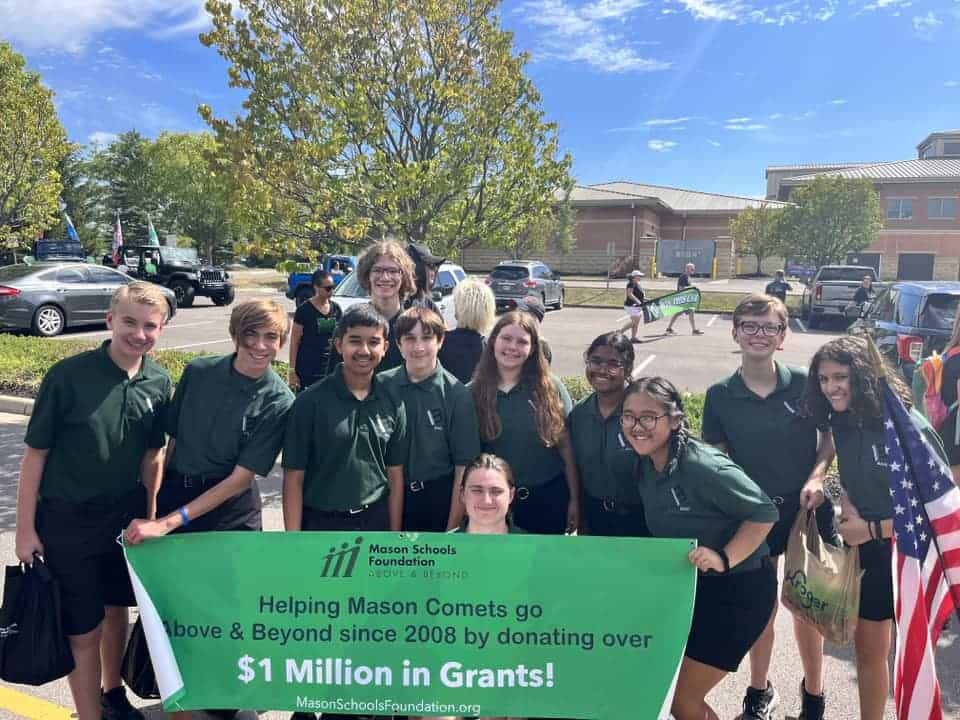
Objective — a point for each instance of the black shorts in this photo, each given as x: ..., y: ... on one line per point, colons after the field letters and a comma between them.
x: 375, y: 516
x: 780, y: 532
x: 876, y: 584
x: 80, y: 547
x: 427, y: 508
x: 542, y: 510
x: 729, y: 614
x: 241, y: 512
x: 605, y: 518
x: 948, y: 432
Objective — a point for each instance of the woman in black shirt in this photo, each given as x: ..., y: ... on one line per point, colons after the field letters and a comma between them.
x: 313, y: 325
x: 475, y: 310
x: 633, y: 303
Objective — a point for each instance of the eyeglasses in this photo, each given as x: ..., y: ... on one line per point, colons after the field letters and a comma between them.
x: 380, y: 271
x: 754, y: 328
x: 647, y: 422
x: 611, y: 365
x: 328, y: 288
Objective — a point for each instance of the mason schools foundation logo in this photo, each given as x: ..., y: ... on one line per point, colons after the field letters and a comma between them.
x: 340, y: 563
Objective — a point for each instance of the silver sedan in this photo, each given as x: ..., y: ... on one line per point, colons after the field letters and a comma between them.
x: 46, y: 298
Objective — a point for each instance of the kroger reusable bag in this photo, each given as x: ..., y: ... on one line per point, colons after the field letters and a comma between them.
x: 821, y: 582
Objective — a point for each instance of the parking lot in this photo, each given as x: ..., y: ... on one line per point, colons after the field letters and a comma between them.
x: 692, y: 362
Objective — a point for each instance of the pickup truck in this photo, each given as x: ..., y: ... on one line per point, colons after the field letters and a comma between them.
x: 299, y: 288
x: 831, y: 290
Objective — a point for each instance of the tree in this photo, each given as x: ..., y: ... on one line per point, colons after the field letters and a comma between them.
x: 80, y: 202
x: 832, y: 217
x: 553, y: 229
x: 124, y: 183
x: 757, y: 233
x: 410, y: 117
x: 32, y: 144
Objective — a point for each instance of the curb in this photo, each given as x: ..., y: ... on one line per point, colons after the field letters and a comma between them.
x: 615, y: 307
x: 16, y: 405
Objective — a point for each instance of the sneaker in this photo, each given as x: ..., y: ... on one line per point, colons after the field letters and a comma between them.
x: 760, y: 704
x: 114, y: 705
x: 303, y: 716
x: 811, y: 706
x: 636, y: 341
x: 671, y: 331
x: 698, y: 332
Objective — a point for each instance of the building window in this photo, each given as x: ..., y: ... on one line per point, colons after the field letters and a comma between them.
x: 899, y: 209
x: 942, y: 208
x: 951, y: 148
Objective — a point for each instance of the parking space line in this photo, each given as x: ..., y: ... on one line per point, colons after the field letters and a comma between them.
x: 711, y: 320
x: 30, y: 707
x: 196, y: 344
x: 800, y: 323
x: 639, y: 368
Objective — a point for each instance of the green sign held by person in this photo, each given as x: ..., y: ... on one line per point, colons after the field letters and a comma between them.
x: 687, y: 300
x: 407, y: 624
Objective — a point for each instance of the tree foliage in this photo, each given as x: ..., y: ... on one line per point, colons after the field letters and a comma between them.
x: 757, y: 232
x: 124, y: 183
x: 831, y: 217
x: 367, y: 117
x: 80, y: 202
x: 32, y: 145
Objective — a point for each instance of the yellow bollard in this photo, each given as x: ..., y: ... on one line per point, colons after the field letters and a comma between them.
x: 713, y: 273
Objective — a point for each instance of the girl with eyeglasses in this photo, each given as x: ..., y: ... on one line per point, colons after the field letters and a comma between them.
x: 522, y: 409
x: 610, y: 501
x: 692, y: 490
x: 754, y: 416
x: 310, y: 340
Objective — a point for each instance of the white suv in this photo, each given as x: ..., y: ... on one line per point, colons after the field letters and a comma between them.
x: 449, y: 275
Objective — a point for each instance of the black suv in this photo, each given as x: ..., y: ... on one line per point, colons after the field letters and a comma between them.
x: 179, y: 269
x: 909, y: 320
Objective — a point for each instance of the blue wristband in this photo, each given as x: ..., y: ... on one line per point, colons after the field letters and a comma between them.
x: 184, y: 516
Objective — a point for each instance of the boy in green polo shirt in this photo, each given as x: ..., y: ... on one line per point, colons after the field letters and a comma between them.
x: 346, y: 444
x: 94, y: 456
x: 442, y: 426
x: 754, y: 416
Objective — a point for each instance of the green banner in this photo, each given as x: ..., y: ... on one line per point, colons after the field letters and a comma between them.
x: 408, y: 624
x: 687, y: 300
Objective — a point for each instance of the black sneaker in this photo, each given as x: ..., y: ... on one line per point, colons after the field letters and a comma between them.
x: 760, y: 704
x: 811, y: 706
x: 115, y: 706
x: 303, y: 716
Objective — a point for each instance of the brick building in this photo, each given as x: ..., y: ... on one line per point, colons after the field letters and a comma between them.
x: 618, y: 221
x: 921, y: 235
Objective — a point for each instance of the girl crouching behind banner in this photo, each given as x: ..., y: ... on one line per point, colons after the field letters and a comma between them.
x: 844, y: 391
x: 691, y: 490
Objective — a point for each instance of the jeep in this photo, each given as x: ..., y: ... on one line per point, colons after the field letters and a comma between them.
x: 179, y: 269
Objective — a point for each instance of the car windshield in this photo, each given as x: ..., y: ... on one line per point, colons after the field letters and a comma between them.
x: 48, y: 248
x: 349, y: 287
x: 182, y: 254
x: 509, y: 272
x: 847, y: 274
x: 939, y: 312
x: 14, y: 272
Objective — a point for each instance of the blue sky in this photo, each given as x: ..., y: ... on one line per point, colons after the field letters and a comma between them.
x: 692, y: 93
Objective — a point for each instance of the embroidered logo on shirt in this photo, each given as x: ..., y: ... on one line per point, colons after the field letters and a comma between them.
x: 623, y: 442
x: 879, y: 454
x: 792, y: 410
x: 680, y: 499
x: 382, y: 425
x: 435, y: 418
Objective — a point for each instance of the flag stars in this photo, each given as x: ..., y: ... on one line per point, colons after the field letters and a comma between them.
x: 906, y: 484
x: 909, y: 527
x: 888, y: 424
x: 931, y: 462
x: 914, y: 502
x: 923, y: 537
x: 899, y: 509
x: 895, y: 467
x: 936, y: 486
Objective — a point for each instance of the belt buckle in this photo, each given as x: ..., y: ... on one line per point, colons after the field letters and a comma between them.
x: 609, y: 505
x: 416, y: 486
x: 357, y: 511
x: 523, y: 492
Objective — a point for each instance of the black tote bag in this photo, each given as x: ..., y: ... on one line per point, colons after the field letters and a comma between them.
x: 33, y: 646
x: 137, y: 668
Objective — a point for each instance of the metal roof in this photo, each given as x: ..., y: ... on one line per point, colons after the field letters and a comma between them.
x: 816, y: 166
x: 680, y: 200
x: 907, y: 170
x: 939, y: 135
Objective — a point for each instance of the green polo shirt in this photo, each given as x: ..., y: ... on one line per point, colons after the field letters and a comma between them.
x: 222, y: 418
x: 704, y: 495
x: 442, y: 426
x: 767, y: 437
x: 532, y: 462
x: 605, y: 460
x: 345, y: 445
x: 862, y: 460
x: 97, y: 423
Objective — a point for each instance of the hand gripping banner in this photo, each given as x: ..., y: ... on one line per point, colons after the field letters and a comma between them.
x: 408, y: 624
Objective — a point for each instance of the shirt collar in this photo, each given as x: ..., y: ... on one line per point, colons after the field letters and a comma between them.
x: 104, y: 354
x: 432, y: 380
x: 340, y: 385
x: 738, y: 388
x: 593, y: 406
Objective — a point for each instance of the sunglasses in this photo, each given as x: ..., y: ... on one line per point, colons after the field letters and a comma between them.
x: 325, y: 287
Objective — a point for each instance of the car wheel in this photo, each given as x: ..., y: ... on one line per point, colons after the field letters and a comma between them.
x: 223, y: 299
x: 48, y: 321
x: 184, y: 292
x: 302, y: 295
x: 813, y: 322
x: 559, y: 304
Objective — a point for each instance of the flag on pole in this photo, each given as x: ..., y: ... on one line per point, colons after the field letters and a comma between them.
x: 926, y: 558
x: 152, y: 231
x: 71, y: 230
x: 117, y: 241
x: 686, y: 300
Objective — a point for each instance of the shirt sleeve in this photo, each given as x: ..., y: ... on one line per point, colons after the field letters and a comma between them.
x: 298, y: 433
x: 711, y: 429
x: 398, y: 445
x: 565, y: 399
x: 465, y: 430
x: 172, y: 413
x: 260, y: 452
x: 158, y: 435
x: 48, y: 409
x: 739, y: 497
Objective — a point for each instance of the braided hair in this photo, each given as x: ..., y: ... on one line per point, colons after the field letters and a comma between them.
x: 666, y: 393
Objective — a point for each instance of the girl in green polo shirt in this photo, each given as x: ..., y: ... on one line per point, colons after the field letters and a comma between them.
x: 691, y: 490
x: 844, y: 391
x: 522, y: 409
x: 487, y: 490
x: 610, y: 502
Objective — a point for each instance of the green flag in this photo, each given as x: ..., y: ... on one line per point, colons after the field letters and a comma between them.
x: 416, y: 624
x: 152, y: 232
x: 686, y: 300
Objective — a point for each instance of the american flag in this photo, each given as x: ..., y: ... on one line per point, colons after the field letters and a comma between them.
x: 117, y: 241
x: 926, y: 558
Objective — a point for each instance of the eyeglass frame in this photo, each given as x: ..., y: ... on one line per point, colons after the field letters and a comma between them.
x: 761, y: 328
x: 605, y: 364
x: 390, y: 271
x: 637, y: 421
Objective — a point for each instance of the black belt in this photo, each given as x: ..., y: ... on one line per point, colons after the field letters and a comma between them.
x: 345, y: 513
x: 525, y: 491
x: 189, y: 481
x: 617, y: 507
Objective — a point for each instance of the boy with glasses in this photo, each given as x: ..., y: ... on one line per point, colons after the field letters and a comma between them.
x: 754, y: 416
x: 312, y: 333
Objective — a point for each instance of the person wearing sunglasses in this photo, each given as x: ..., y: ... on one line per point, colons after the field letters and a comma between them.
x: 755, y: 417
x: 692, y: 490
x: 313, y: 325
x: 610, y: 500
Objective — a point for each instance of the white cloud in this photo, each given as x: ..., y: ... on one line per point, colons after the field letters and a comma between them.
x: 658, y: 122
x: 714, y: 9
x: 661, y: 145
x: 150, y: 76
x: 101, y: 138
x: 926, y: 25
x: 838, y: 101
x: 70, y: 25
x: 739, y: 120
x: 588, y: 34
x: 742, y: 126
x: 775, y: 116
x: 713, y: 142
x: 952, y: 83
